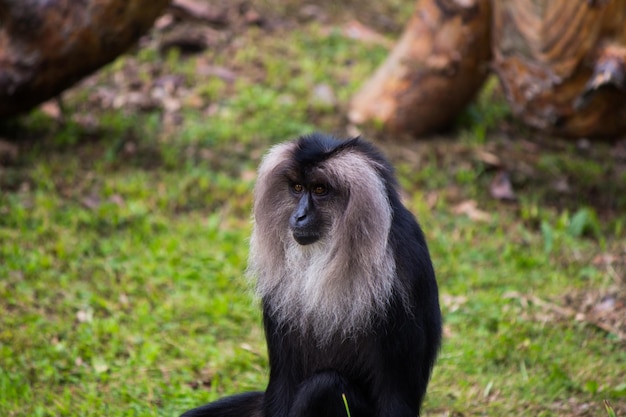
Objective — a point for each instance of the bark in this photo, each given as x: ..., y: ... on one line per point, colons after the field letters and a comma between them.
x: 435, y: 69
x: 562, y: 64
x: 48, y: 45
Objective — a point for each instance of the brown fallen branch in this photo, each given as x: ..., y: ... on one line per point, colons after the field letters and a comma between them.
x: 562, y: 64
x: 433, y: 72
x: 45, y: 47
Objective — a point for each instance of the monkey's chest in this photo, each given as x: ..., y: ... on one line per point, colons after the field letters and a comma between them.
x: 349, y: 357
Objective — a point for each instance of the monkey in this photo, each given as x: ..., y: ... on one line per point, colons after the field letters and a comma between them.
x: 347, y: 287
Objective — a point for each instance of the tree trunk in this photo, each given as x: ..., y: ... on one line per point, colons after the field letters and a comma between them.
x: 562, y: 64
x: 434, y: 70
x: 46, y: 46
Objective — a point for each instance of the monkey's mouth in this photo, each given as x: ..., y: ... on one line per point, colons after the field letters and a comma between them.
x: 305, y: 238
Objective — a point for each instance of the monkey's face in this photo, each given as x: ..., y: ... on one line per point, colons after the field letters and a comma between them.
x: 319, y: 192
x: 309, y: 220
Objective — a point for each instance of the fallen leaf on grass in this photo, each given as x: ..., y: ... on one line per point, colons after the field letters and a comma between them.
x: 358, y: 31
x: 489, y: 158
x: 501, y: 188
x: 84, y: 316
x: 52, y: 108
x: 91, y: 201
x: 324, y: 95
x: 471, y: 210
x: 606, y: 313
x: 205, y: 68
x: 453, y: 302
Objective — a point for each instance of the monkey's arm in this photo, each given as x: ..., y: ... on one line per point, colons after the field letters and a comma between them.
x: 398, y: 396
x: 284, y: 365
x: 402, y: 368
x: 249, y: 404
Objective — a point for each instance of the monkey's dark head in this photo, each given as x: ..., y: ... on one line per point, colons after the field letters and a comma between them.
x: 308, y: 184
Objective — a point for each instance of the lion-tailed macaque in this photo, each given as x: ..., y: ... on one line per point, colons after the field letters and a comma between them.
x: 350, y: 301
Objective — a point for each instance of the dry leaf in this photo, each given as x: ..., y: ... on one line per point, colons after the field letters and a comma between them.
x: 501, y: 188
x: 324, y: 95
x: 84, y: 316
x: 92, y: 201
x: 470, y: 209
x: 52, y: 109
x: 356, y: 30
x: 489, y: 158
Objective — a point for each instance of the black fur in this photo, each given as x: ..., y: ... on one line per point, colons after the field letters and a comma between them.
x: 248, y: 404
x: 385, y: 369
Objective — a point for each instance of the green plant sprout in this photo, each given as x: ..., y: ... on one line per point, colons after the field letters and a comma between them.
x: 609, y: 409
x: 345, y: 403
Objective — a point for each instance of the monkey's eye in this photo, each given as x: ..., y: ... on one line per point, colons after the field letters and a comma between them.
x: 297, y: 188
x: 319, y: 190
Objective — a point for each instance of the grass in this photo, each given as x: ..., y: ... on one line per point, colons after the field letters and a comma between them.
x: 345, y: 403
x: 124, y: 231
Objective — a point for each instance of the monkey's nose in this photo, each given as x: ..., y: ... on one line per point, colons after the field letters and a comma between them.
x: 300, y: 217
x: 298, y: 222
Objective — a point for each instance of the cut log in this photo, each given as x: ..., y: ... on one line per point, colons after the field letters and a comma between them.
x: 434, y: 71
x: 562, y: 64
x: 46, y: 46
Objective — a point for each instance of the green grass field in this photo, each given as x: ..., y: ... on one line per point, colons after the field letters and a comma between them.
x: 124, y: 232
